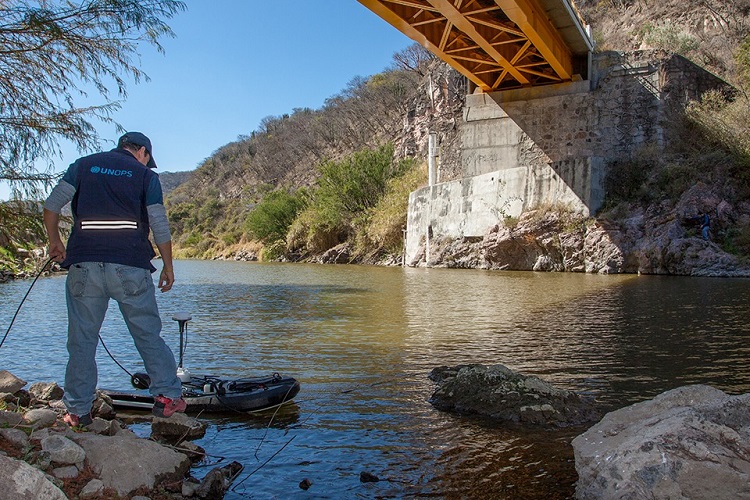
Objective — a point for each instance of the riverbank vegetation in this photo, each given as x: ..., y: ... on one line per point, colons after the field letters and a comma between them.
x: 360, y: 199
x: 21, y: 233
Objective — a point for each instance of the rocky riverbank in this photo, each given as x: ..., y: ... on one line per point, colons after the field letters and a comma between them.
x: 42, y: 457
x: 690, y: 442
x: 662, y: 239
x: 659, y: 239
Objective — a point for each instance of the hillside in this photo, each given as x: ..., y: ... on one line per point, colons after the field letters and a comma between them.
x: 708, y: 32
x: 170, y: 180
x: 418, y: 93
x: 209, y: 211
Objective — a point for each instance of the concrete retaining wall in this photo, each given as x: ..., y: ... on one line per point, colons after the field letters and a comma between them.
x: 551, y: 145
x: 469, y: 207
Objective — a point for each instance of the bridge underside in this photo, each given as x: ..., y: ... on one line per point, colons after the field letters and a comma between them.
x: 496, y: 44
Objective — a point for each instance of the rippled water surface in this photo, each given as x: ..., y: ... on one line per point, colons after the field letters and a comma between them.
x: 362, y: 341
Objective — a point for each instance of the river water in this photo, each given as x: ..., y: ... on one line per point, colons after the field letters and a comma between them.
x: 362, y: 341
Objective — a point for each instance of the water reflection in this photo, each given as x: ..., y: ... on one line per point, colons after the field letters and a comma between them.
x: 362, y: 341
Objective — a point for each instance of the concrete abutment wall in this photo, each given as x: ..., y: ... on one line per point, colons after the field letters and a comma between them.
x: 522, y: 149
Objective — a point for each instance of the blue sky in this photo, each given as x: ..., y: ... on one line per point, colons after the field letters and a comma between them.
x: 234, y: 62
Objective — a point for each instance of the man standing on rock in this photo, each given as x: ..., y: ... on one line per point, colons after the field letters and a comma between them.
x: 116, y: 201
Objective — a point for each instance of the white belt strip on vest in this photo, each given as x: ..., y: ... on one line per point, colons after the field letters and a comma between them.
x: 109, y: 224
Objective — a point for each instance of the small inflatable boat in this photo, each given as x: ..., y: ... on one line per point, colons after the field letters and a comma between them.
x: 211, y: 394
x: 208, y: 393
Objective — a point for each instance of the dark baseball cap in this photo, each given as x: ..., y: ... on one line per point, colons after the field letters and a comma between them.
x: 138, y: 139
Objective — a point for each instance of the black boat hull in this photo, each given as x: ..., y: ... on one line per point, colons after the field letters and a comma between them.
x: 209, y: 394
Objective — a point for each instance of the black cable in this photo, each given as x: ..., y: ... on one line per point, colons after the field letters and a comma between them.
x: 23, y: 300
x: 113, y: 358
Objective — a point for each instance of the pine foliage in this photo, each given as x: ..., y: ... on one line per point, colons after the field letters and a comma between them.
x: 48, y: 51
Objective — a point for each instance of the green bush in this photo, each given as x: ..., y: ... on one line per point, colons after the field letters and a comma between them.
x: 345, y: 194
x: 357, y: 183
x: 21, y: 227
x: 386, y: 221
x: 192, y: 239
x: 317, y: 228
x: 669, y: 36
x: 269, y: 221
x: 211, y: 209
x: 231, y: 237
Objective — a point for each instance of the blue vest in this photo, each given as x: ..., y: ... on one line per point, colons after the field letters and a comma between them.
x: 109, y: 211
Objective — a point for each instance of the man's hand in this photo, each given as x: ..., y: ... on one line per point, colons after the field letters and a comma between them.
x: 166, y: 280
x: 57, y: 251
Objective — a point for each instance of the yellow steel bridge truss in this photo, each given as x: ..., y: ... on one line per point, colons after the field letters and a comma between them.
x: 496, y: 44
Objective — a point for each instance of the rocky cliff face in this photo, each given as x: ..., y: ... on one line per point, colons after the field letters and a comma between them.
x: 436, y: 107
x: 655, y: 237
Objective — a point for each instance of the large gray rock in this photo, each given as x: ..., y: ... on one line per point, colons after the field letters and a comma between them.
x: 501, y: 393
x: 62, y: 450
x: 16, y: 437
x: 178, y: 427
x: 103, y: 406
x: 126, y: 463
x: 93, y: 489
x: 46, y: 391
x: 10, y: 418
x: 40, y: 417
x: 10, y: 383
x: 20, y: 481
x: 690, y: 442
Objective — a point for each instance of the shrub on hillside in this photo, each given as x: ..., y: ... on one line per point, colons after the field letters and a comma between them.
x: 345, y: 191
x: 357, y: 182
x: 386, y: 221
x: 723, y: 122
x: 269, y: 221
x: 667, y: 35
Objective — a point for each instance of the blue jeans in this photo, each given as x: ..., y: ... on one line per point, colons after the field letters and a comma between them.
x: 89, y: 287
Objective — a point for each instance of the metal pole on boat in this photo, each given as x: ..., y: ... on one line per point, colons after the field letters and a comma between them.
x: 182, y: 319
